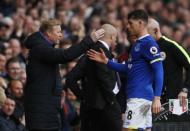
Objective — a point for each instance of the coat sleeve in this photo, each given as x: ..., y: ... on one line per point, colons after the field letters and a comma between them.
x: 77, y: 73
x: 56, y: 56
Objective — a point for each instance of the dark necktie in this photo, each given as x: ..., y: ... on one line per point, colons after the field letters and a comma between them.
x: 118, y: 80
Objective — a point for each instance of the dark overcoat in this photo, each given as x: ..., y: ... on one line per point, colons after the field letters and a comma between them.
x: 43, y: 87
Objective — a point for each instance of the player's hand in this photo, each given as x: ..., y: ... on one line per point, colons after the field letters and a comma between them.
x: 156, y: 105
x: 182, y: 96
x: 97, y: 56
x: 96, y: 35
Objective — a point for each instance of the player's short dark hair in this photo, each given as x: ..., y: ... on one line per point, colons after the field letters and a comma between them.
x: 138, y: 14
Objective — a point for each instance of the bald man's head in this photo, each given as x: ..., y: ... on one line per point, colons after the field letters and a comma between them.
x: 152, y: 23
x: 110, y: 35
x: 109, y: 30
x: 154, y: 28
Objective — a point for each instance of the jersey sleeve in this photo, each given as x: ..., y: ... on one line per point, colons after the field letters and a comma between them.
x: 151, y: 52
x: 118, y: 67
x: 158, y: 74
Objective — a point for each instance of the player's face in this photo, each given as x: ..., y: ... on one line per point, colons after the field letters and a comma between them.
x: 133, y: 27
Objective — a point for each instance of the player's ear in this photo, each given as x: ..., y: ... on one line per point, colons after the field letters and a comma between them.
x: 142, y: 22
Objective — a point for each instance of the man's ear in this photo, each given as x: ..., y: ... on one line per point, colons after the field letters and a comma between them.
x: 155, y: 31
x: 111, y: 37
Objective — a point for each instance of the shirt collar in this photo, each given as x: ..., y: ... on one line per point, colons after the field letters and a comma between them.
x: 46, y: 39
x: 104, y: 43
x: 143, y: 36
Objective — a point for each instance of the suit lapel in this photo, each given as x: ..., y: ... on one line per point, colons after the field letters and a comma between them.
x: 106, y: 51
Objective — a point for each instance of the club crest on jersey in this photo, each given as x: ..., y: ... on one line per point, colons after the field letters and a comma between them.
x: 153, y: 50
x: 137, y: 48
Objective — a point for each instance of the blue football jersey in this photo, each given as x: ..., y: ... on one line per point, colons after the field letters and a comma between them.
x: 144, y: 69
x: 140, y: 79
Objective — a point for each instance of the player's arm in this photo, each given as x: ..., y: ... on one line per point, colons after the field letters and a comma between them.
x: 158, y: 84
x: 158, y: 77
x: 152, y: 55
x: 99, y: 56
x: 118, y: 67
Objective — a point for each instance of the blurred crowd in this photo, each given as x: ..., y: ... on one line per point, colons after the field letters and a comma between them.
x: 20, y: 18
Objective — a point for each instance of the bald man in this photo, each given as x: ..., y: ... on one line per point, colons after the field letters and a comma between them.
x: 175, y: 59
x: 100, y: 110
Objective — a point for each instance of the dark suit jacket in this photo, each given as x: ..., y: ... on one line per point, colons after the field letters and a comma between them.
x: 99, y: 108
x: 98, y: 81
x: 42, y: 95
x: 76, y: 74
